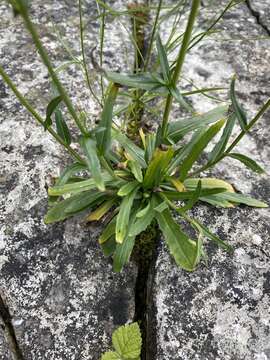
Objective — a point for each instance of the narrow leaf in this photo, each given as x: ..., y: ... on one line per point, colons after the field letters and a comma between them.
x: 104, y: 137
x: 108, y: 232
x: 162, y: 56
x: 250, y: 163
x: 101, y: 210
x: 108, y: 247
x: 240, y: 114
x: 127, y: 188
x: 89, y: 147
x: 61, y: 127
x: 123, y: 216
x: 192, y: 201
x: 198, y: 147
x: 138, y: 81
x: 52, y: 106
x: 208, y: 183
x: 136, y: 170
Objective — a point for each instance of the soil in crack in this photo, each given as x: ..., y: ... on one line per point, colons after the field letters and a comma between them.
x: 145, y: 254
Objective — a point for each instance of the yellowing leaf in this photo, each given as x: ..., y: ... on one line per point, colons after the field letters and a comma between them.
x: 127, y: 341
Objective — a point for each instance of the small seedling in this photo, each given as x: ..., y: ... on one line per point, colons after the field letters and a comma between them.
x: 127, y: 343
x: 133, y: 184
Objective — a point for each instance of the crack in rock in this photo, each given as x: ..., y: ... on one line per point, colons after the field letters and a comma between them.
x: 257, y: 16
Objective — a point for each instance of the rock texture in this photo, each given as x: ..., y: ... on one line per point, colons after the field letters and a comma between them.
x: 62, y: 294
x: 221, y: 311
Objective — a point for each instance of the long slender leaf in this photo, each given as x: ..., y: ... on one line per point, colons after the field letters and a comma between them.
x: 192, y: 201
x: 240, y: 114
x: 108, y: 231
x: 198, y: 147
x: 123, y: 216
x: 250, y: 163
x: 241, y: 199
x: 52, y: 106
x: 180, y: 128
x: 61, y: 127
x: 208, y: 183
x: 104, y: 137
x: 223, y: 141
x: 127, y: 188
x: 164, y: 64
x: 98, y: 213
x: 186, y: 195
x: 90, y: 149
x: 138, y: 81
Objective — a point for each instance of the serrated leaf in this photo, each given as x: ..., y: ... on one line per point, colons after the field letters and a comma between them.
x: 198, y: 147
x: 122, y: 220
x: 61, y: 127
x: 90, y: 150
x: 183, y: 249
x: 239, y: 112
x: 52, y: 106
x: 250, y: 163
x: 223, y: 141
x: 135, y: 151
x: 178, y: 129
x: 127, y: 188
x: 157, y: 167
x: 111, y: 355
x: 104, y: 137
x: 163, y: 60
x: 127, y: 341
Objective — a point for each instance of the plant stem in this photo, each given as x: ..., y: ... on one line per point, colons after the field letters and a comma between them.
x: 45, y: 58
x: 84, y: 57
x: 150, y: 46
x: 179, y: 63
x: 35, y: 114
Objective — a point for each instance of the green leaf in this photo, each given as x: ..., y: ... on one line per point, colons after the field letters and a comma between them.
x: 241, y: 199
x: 162, y: 56
x: 179, y: 98
x: 122, y: 220
x: 198, y: 147
x: 61, y: 127
x: 127, y: 341
x: 142, y: 222
x: 222, y: 143
x: 137, y: 81
x: 183, y: 249
x: 192, y: 201
x: 208, y: 183
x: 239, y: 112
x: 178, y: 129
x: 186, y: 195
x: 52, y: 106
x: 150, y: 142
x: 250, y: 163
x: 122, y: 253
x: 77, y: 187
x: 111, y: 355
x: 136, y: 170
x: 127, y: 188
x: 209, y: 235
x: 215, y: 201
x: 108, y: 232
x: 157, y: 167
x: 133, y: 150
x: 71, y: 206
x: 108, y: 247
x: 98, y: 213
x: 104, y: 137
x: 89, y: 147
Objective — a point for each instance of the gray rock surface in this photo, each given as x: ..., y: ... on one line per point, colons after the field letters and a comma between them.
x: 62, y: 294
x: 221, y: 311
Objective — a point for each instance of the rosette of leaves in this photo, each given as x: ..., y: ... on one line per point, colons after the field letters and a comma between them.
x: 132, y: 186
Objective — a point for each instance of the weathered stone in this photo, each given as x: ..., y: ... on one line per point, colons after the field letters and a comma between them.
x: 62, y: 294
x: 260, y: 9
x: 221, y: 311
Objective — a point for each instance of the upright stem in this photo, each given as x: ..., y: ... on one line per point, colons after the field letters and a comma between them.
x: 180, y: 62
x: 45, y: 58
x: 84, y: 57
x: 35, y: 114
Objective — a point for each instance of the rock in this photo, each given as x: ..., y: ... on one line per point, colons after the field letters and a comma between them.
x: 261, y: 10
x: 221, y: 311
x: 63, y: 296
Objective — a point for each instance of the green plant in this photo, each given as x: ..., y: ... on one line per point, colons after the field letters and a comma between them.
x: 141, y: 183
x: 127, y: 343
